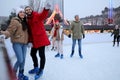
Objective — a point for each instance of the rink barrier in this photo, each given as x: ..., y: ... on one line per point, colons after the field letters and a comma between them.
x: 11, y: 73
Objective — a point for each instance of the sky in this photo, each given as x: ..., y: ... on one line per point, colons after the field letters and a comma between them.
x: 71, y: 7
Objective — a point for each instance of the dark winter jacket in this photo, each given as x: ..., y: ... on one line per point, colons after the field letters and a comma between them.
x: 115, y: 32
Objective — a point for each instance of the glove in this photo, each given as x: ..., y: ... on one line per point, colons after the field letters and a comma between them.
x: 47, y: 5
x: 69, y: 35
x: 30, y: 45
x: 83, y: 36
x: 2, y: 36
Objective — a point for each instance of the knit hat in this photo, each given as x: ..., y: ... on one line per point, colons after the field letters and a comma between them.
x: 18, y: 10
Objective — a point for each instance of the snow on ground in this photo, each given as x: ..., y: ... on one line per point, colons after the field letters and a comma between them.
x: 100, y: 61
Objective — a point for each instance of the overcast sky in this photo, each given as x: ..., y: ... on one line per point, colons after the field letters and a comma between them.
x: 71, y: 7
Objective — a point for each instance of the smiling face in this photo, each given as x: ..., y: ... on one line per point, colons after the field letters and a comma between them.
x: 21, y: 14
x: 28, y: 11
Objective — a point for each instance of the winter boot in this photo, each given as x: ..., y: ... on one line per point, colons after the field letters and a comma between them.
x: 61, y: 56
x: 55, y: 48
x: 113, y: 45
x: 72, y: 54
x: 80, y: 54
x: 118, y: 44
x: 52, y: 48
x: 39, y: 74
x: 57, y: 55
x: 35, y: 70
x: 21, y: 76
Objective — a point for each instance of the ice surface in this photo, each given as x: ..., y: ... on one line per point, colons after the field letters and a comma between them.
x: 101, y: 61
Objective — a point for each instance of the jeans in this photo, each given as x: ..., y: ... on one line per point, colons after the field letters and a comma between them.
x: 116, y: 37
x: 20, y: 52
x: 79, y: 45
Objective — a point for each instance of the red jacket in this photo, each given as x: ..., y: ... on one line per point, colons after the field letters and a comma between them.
x: 37, y: 31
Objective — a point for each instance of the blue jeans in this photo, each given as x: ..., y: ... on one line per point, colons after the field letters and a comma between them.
x: 20, y: 52
x: 79, y: 45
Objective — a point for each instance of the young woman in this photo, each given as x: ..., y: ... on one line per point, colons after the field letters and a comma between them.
x: 18, y: 33
x: 59, y: 37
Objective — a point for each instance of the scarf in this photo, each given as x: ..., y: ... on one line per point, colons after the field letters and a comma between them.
x: 55, y: 32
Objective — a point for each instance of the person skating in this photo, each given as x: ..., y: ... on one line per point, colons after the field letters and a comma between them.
x: 78, y: 33
x: 116, y: 35
x: 59, y: 37
x: 18, y: 32
x: 38, y: 38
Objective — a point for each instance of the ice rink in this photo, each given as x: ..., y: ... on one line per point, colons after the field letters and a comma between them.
x: 101, y: 61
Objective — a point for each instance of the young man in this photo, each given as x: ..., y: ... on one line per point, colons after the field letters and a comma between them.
x: 38, y: 37
x: 77, y: 34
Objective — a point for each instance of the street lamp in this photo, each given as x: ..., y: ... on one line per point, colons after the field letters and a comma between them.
x: 63, y: 8
x: 110, y: 13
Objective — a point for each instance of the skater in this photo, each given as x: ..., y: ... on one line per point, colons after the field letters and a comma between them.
x: 59, y: 37
x: 52, y: 37
x: 116, y: 32
x: 77, y: 34
x: 38, y: 38
x: 18, y: 32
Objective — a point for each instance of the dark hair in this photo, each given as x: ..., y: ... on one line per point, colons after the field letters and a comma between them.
x: 76, y: 16
x: 28, y: 7
x: 24, y: 23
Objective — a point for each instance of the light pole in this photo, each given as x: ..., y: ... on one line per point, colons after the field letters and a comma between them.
x: 63, y: 8
x: 110, y: 13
